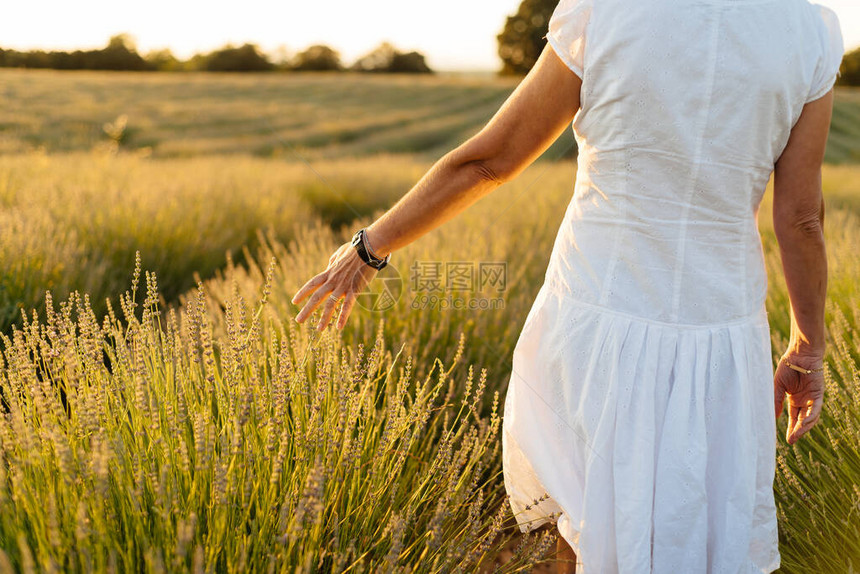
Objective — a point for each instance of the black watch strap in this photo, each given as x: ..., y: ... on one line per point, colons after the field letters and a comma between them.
x: 360, y: 244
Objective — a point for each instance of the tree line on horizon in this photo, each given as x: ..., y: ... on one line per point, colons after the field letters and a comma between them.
x: 120, y: 54
x: 523, y: 38
x: 519, y: 45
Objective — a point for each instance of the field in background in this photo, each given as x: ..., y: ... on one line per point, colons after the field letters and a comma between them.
x: 221, y: 432
x: 313, y: 115
x: 310, y: 115
x: 843, y: 146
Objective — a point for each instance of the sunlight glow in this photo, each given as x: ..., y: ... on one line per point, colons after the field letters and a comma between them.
x: 453, y: 34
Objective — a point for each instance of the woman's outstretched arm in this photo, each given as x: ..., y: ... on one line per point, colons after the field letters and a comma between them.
x: 798, y: 219
x: 532, y: 117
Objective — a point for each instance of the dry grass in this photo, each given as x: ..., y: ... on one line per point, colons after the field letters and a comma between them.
x: 160, y: 438
x: 194, y: 426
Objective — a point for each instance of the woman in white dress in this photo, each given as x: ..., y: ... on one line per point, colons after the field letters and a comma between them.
x: 639, y: 417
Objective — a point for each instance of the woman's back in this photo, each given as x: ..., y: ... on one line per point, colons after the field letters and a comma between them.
x: 685, y: 107
x: 639, y: 414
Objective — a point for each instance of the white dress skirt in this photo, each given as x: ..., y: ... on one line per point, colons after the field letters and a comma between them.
x: 639, y: 415
x: 652, y: 446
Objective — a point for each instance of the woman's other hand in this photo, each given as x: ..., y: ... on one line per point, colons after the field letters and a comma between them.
x: 805, y: 393
x: 345, y: 277
x: 798, y: 222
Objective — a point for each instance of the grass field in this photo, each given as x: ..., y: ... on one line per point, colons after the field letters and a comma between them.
x: 191, y: 425
x: 272, y: 115
x: 312, y: 115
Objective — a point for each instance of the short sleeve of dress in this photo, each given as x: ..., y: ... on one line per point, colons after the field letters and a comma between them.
x: 831, y: 52
x: 567, y: 32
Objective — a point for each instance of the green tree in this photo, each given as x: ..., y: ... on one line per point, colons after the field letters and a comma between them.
x: 850, y: 69
x: 387, y: 58
x: 245, y: 58
x: 317, y: 58
x: 409, y: 63
x: 121, y: 43
x: 120, y: 54
x: 522, y: 39
x: 163, y: 61
x: 377, y: 60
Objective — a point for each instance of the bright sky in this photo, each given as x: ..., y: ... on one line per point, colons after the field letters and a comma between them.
x: 453, y: 34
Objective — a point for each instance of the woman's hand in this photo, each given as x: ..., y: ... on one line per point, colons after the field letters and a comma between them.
x: 805, y: 393
x: 346, y: 276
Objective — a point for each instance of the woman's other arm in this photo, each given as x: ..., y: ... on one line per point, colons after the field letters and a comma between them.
x: 798, y: 219
x: 529, y: 121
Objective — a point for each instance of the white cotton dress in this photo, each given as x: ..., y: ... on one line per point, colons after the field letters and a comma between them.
x: 639, y: 415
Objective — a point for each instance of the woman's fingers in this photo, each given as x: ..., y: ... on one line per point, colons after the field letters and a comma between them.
x: 793, y: 413
x: 321, y: 291
x: 345, y: 310
x: 782, y: 387
x: 331, y: 303
x: 798, y: 425
x: 805, y: 394
x: 313, y: 303
x: 309, y: 287
x: 815, y: 411
x: 803, y: 418
x: 345, y: 277
x: 778, y: 398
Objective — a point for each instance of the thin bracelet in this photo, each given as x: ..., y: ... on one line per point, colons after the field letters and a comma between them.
x: 801, y: 369
x: 369, y: 249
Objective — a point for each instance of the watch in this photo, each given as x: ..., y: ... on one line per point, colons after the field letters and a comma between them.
x: 360, y: 243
